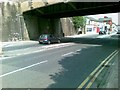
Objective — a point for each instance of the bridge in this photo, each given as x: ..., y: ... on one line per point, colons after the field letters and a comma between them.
x: 45, y: 17
x: 30, y: 18
x: 69, y: 9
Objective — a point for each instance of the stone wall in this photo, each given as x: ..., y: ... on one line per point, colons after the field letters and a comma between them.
x: 16, y: 26
x: 38, y: 25
x: 13, y: 27
x: 68, y: 27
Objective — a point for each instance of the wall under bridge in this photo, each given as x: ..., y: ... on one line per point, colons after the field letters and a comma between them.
x: 12, y: 25
x: 39, y: 25
x: 21, y: 26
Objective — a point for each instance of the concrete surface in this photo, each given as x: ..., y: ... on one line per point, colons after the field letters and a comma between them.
x: 113, y: 78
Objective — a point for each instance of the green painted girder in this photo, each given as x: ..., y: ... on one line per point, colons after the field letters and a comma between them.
x: 75, y: 9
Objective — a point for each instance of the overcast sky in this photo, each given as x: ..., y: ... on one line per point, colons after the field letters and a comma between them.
x: 114, y: 16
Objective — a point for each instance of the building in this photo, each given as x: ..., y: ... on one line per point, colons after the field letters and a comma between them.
x: 91, y: 25
x: 95, y: 25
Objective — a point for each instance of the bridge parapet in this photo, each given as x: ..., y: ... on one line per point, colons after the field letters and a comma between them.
x: 25, y: 6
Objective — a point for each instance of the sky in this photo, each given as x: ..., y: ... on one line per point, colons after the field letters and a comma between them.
x: 114, y: 16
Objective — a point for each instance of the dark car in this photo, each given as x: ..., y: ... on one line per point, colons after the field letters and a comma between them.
x: 102, y: 32
x: 118, y: 32
x: 48, y: 38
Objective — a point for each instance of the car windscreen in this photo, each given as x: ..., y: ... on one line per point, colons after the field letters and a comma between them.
x: 43, y: 36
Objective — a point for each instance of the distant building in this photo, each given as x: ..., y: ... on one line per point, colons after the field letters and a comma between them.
x: 91, y: 25
x: 94, y: 26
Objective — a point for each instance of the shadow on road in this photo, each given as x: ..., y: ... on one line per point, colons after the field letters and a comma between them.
x: 100, y: 41
x: 76, y: 67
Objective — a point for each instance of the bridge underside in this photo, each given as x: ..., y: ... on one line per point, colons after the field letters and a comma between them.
x: 70, y: 9
x: 47, y: 18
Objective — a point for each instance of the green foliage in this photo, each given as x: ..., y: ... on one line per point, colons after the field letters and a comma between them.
x: 79, y: 21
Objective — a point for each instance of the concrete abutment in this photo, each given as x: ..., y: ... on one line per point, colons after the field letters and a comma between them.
x: 16, y: 25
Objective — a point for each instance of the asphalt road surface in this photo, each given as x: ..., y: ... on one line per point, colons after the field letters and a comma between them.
x: 63, y: 65
x: 55, y: 68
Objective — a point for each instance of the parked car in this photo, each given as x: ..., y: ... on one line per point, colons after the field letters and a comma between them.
x: 102, y: 32
x: 48, y: 38
x: 118, y: 32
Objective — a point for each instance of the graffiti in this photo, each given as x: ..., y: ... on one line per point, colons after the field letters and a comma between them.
x: 14, y: 37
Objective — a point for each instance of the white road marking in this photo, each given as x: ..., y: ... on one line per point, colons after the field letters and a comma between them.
x: 67, y: 54
x: 71, y: 53
x: 23, y: 68
x: 78, y: 50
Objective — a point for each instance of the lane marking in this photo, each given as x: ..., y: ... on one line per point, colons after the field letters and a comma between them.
x: 67, y: 54
x: 23, y: 68
x: 111, y: 58
x: 94, y: 78
x: 78, y: 50
x: 88, y: 78
x: 71, y: 53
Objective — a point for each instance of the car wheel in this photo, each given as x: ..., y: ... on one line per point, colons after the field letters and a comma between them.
x: 49, y: 42
x: 58, y: 41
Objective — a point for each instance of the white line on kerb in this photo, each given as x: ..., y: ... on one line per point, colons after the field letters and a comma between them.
x: 23, y: 68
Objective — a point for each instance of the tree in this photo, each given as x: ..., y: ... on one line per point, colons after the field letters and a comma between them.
x: 79, y: 22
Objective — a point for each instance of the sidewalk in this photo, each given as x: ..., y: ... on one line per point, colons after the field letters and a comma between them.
x: 8, y: 46
x: 17, y: 43
x: 109, y: 77
x: 32, y: 49
x: 112, y: 79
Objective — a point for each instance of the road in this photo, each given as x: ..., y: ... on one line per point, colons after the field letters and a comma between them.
x: 63, y: 65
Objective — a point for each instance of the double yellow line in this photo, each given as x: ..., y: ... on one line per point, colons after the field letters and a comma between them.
x: 92, y: 77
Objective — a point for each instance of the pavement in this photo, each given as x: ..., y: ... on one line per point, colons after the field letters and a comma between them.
x: 112, y: 80
x: 14, y: 45
x: 109, y: 77
x: 17, y: 43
